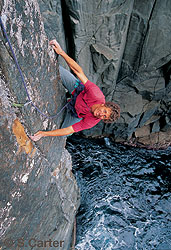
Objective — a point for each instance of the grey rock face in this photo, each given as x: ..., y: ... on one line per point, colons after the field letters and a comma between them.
x: 39, y: 196
x: 123, y: 47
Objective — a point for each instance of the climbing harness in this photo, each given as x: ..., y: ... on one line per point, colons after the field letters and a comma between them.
x: 22, y: 77
x: 79, y: 87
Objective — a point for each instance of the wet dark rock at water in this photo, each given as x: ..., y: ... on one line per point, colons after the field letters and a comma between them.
x: 125, y: 196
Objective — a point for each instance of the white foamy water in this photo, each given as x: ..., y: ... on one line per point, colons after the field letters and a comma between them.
x: 125, y: 196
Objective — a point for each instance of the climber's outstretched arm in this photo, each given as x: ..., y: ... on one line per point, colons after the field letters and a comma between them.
x: 71, y: 63
x: 57, y: 132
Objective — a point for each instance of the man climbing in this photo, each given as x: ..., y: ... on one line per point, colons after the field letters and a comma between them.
x: 88, y: 106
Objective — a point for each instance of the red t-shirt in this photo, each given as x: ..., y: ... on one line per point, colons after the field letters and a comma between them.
x: 85, y: 100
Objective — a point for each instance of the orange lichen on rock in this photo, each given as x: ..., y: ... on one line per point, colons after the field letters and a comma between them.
x: 23, y: 140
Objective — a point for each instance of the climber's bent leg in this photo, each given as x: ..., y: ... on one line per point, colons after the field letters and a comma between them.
x: 68, y: 79
x: 70, y: 120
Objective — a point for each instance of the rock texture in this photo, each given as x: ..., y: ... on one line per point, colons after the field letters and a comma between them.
x: 39, y: 196
x: 124, y: 47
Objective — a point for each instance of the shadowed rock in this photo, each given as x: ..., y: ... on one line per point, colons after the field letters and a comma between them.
x: 123, y: 46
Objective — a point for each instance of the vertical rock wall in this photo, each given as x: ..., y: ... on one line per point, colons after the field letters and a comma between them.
x: 39, y: 196
x: 124, y: 47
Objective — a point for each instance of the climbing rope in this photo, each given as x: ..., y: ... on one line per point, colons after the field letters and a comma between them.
x: 24, y: 83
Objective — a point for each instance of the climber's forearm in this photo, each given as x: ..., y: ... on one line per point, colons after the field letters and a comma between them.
x: 56, y: 132
x: 74, y: 67
x: 71, y: 63
x: 59, y: 132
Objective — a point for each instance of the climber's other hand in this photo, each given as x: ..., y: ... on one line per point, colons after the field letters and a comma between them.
x: 37, y: 136
x: 56, y: 46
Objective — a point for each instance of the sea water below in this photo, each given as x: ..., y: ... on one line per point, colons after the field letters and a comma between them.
x: 125, y: 196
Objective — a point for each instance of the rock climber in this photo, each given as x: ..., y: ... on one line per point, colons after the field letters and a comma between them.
x: 88, y: 105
